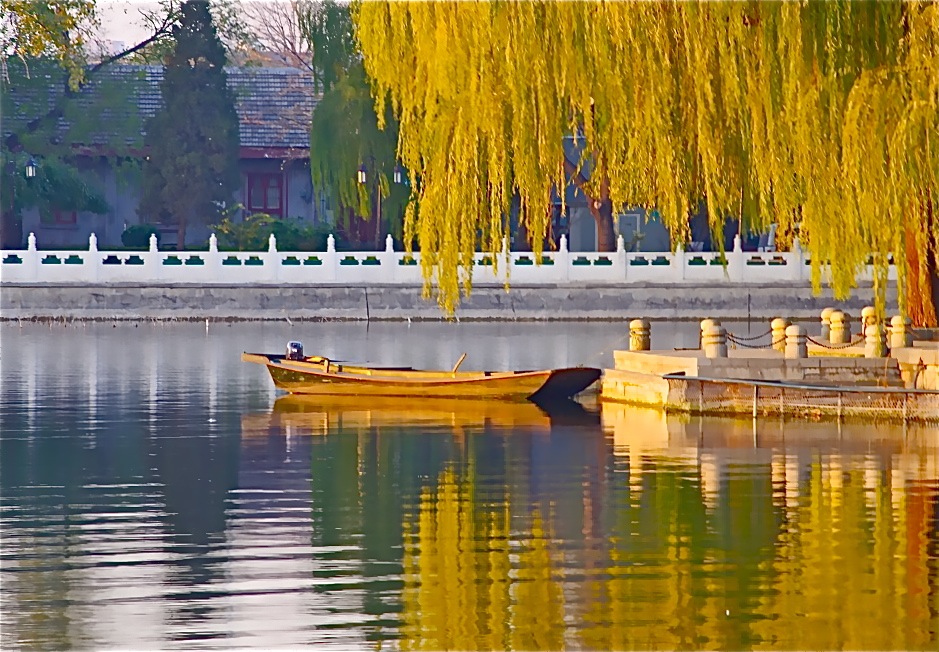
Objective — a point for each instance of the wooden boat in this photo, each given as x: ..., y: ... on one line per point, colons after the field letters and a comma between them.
x: 299, y: 374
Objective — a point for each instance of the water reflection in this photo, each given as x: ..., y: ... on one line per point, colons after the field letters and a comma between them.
x: 320, y: 415
x: 176, y: 502
x: 672, y: 533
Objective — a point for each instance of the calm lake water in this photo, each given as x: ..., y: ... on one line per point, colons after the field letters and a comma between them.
x: 157, y: 493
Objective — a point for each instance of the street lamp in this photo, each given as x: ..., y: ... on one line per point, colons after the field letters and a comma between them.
x: 11, y: 225
x: 362, y: 176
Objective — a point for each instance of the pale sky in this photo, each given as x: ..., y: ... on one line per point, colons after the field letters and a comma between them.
x: 121, y: 19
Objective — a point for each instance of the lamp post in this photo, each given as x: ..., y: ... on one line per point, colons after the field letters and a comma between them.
x: 362, y: 177
x: 397, y: 178
x: 12, y: 228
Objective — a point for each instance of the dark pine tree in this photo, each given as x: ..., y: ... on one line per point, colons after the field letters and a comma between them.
x: 192, y: 141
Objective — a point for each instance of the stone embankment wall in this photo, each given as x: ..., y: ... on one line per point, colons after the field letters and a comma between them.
x: 572, y: 301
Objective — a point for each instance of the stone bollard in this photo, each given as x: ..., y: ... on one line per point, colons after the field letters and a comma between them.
x: 840, y: 328
x: 900, y: 335
x: 826, y: 323
x: 868, y: 317
x: 714, y: 341
x: 705, y: 324
x: 639, y: 335
x: 796, y: 346
x: 874, y: 345
x: 778, y: 338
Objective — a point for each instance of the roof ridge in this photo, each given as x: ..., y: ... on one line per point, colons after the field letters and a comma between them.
x: 274, y: 104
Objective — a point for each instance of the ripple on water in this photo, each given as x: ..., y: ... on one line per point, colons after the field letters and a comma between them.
x: 131, y: 521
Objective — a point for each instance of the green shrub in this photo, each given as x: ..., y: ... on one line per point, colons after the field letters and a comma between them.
x: 253, y: 232
x: 137, y: 236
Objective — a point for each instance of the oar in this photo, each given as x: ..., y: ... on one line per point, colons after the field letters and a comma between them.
x: 458, y: 363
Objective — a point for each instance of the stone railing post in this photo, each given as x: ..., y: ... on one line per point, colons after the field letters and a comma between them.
x: 714, y: 341
x: 840, y: 328
x: 736, y: 262
x: 778, y: 337
x: 826, y: 324
x: 562, y: 260
x: 868, y: 317
x: 874, y: 344
x: 797, y: 261
x: 31, y: 258
x: 94, y: 262
x: 271, y: 260
x: 389, y: 261
x: 331, y: 258
x: 639, y: 335
x: 705, y: 324
x: 679, y: 263
x: 213, y: 261
x: 152, y: 265
x: 796, y: 346
x: 619, y: 260
x: 900, y: 335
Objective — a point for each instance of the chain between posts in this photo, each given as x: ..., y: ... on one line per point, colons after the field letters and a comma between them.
x: 736, y: 341
x: 750, y: 339
x: 860, y: 340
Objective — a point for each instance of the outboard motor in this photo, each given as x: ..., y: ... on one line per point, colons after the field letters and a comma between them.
x: 295, y: 351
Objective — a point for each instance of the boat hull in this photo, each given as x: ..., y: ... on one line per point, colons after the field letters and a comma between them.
x: 326, y: 378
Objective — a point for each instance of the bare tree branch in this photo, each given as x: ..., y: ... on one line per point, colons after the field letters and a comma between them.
x: 276, y: 25
x: 162, y: 30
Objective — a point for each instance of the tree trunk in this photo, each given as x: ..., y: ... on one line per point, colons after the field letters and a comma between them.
x: 602, y: 211
x: 377, y: 204
x: 600, y: 207
x: 181, y: 234
x: 522, y: 239
x: 922, y: 286
x: 922, y: 293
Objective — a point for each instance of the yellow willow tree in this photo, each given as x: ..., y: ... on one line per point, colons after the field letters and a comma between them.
x: 818, y: 116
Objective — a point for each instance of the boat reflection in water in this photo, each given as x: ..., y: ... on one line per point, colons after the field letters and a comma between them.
x: 645, y: 531
x: 298, y: 414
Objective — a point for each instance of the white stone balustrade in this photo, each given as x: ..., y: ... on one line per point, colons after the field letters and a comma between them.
x: 36, y: 266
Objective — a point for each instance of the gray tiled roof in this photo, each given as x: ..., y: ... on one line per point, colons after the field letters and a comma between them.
x: 274, y: 105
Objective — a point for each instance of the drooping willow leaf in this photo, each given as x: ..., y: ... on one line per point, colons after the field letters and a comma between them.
x: 820, y: 117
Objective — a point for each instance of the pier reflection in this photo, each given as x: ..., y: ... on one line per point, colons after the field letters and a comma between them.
x: 525, y: 531
x: 782, y: 535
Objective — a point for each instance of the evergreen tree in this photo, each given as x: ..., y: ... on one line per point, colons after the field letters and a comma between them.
x: 192, y: 169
